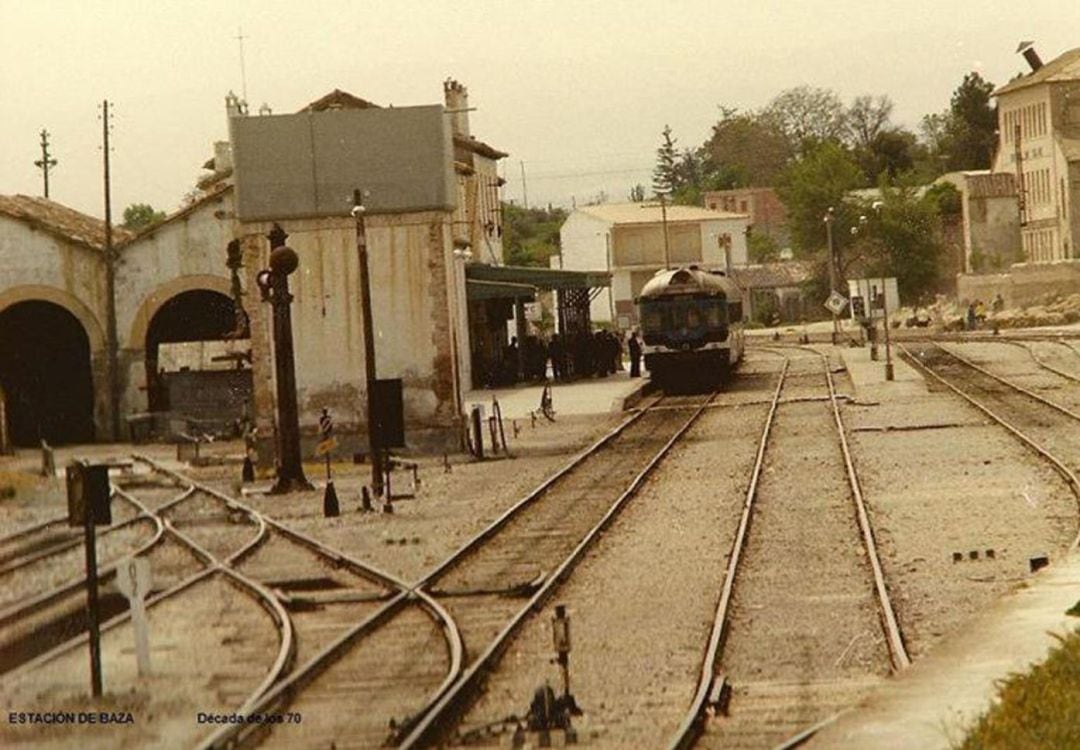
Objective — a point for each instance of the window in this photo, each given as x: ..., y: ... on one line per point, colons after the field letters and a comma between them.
x: 735, y: 311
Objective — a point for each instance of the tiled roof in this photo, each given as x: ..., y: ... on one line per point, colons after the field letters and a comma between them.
x: 60, y: 220
x: 338, y: 99
x: 995, y: 185
x: 1064, y: 67
x: 650, y: 213
x: 772, y: 275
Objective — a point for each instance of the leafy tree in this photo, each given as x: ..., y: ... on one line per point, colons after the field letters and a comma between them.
x: 744, y: 150
x: 973, y: 124
x: 811, y: 185
x: 762, y: 248
x: 890, y: 152
x: 867, y: 118
x: 531, y: 235
x: 637, y: 193
x: 909, y: 239
x: 665, y: 174
x: 807, y: 116
x: 140, y: 215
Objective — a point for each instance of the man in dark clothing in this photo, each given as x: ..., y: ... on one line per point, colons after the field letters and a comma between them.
x: 557, y: 354
x: 635, y: 355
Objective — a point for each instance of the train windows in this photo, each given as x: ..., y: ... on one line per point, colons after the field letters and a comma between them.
x: 715, y: 314
x: 693, y: 318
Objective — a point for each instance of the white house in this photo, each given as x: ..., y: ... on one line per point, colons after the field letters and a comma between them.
x: 628, y: 240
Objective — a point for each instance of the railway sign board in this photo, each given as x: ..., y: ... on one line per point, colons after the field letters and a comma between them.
x: 836, y: 303
x: 134, y: 581
x: 88, y: 494
x: 325, y: 447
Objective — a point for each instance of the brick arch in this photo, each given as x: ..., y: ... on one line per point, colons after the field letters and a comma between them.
x: 140, y: 325
x: 61, y: 298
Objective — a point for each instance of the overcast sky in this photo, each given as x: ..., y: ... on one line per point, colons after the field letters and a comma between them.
x: 578, y: 91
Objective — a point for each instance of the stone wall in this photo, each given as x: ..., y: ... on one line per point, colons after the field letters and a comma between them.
x: 1024, y: 285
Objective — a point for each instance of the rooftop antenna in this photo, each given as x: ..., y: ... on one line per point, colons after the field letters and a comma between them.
x: 243, y: 73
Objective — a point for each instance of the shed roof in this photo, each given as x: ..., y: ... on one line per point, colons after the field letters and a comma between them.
x: 773, y: 275
x: 1064, y: 67
x: 539, y: 277
x: 651, y: 213
x: 60, y: 220
x: 993, y: 185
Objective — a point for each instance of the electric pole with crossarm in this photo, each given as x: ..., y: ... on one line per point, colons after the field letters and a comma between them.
x: 46, y: 162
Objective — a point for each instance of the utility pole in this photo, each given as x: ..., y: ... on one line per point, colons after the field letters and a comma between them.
x: 524, y: 186
x: 110, y: 280
x: 374, y: 446
x: 46, y: 162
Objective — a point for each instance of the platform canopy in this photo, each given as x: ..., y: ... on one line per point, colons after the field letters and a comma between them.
x: 541, y: 278
x: 477, y: 289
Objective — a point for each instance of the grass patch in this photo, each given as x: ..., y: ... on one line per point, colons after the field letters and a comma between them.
x: 1039, y: 709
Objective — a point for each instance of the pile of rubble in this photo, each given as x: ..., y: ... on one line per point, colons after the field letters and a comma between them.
x: 947, y: 315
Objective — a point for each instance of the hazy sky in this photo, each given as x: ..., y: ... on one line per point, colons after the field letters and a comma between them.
x: 578, y: 91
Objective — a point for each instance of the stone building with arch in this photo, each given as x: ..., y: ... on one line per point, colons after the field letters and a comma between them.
x: 173, y: 286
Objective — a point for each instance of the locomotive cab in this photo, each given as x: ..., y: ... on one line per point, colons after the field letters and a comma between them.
x: 691, y: 325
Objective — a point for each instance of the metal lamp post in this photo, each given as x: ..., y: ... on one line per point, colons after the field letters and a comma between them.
x: 829, y: 219
x: 374, y: 446
x: 274, y: 285
x: 889, y: 372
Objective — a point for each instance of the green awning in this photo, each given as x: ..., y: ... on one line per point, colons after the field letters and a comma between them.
x: 477, y: 289
x: 541, y: 278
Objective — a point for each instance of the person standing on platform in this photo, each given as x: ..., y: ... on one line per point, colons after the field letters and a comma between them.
x: 635, y: 355
x: 557, y: 354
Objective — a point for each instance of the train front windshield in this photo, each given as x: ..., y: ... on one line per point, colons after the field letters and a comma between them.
x: 682, y: 314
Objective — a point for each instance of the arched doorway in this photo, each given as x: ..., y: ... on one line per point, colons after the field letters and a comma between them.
x: 45, y: 371
x: 216, y: 392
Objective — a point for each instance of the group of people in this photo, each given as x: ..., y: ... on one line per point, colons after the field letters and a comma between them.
x: 976, y: 311
x: 580, y: 355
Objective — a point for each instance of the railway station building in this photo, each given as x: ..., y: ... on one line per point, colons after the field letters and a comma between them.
x: 188, y: 348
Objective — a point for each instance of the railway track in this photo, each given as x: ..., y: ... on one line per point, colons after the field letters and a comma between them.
x: 482, y: 587
x: 225, y: 557
x: 497, y: 581
x: 1032, y: 418
x: 793, y: 646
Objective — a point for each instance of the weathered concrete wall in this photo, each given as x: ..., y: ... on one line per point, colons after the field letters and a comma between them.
x: 40, y: 266
x: 1024, y: 285
x: 413, y: 293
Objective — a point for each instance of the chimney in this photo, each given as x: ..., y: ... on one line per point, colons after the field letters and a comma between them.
x: 1028, y: 50
x: 222, y: 156
x: 235, y: 106
x: 457, y: 106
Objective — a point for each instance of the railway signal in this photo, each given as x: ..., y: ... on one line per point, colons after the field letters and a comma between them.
x: 88, y: 495
x: 327, y: 443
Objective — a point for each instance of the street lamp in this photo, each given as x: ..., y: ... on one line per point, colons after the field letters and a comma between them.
x: 374, y: 447
x: 829, y: 218
x: 274, y: 285
x: 889, y: 372
x: 868, y: 308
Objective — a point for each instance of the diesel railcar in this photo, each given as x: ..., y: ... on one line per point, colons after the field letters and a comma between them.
x: 691, y: 326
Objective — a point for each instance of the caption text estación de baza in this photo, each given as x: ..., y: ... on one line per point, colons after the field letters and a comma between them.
x: 70, y: 717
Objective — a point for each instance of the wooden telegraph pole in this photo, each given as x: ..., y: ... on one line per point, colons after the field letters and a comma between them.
x: 46, y: 162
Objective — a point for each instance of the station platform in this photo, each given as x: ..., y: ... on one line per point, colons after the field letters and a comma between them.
x: 868, y: 376
x: 589, y: 396
x: 934, y: 702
